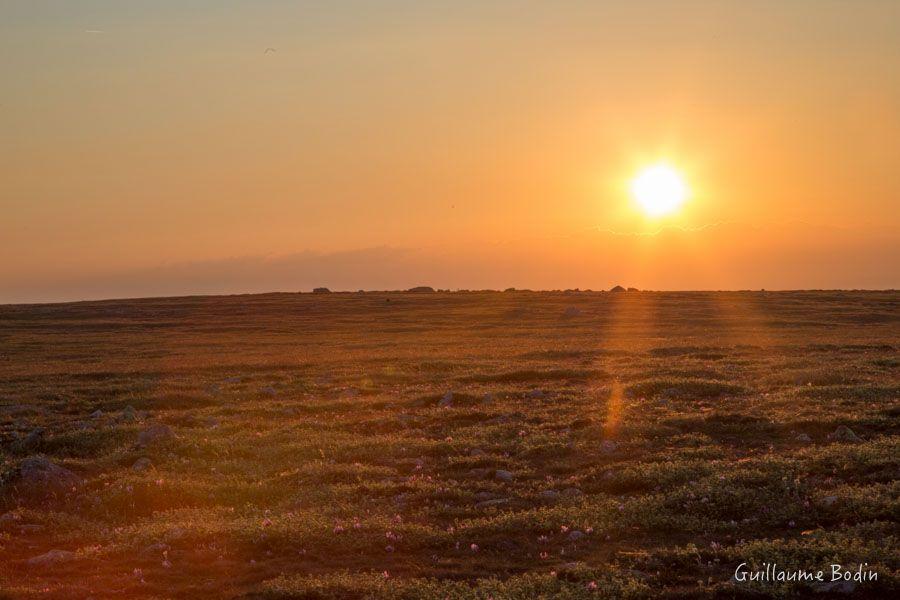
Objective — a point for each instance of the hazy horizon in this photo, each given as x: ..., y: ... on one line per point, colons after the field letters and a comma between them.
x: 165, y: 149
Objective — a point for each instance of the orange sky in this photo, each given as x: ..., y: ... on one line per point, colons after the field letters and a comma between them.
x: 155, y: 148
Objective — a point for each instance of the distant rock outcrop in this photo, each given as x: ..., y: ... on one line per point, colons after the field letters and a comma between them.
x: 618, y: 288
x: 421, y: 289
x: 321, y: 290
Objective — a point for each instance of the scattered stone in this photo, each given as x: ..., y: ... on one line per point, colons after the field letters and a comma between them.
x: 485, y: 496
x: 576, y: 535
x: 503, y: 475
x: 572, y: 311
x: 129, y: 414
x: 535, y: 394
x: 487, y: 398
x: 549, y: 495
x: 572, y: 492
x: 97, y: 414
x: 803, y: 438
x: 446, y: 401
x: 608, y: 446
x: 480, y: 473
x: 51, y: 558
x: 268, y: 391
x: 141, y: 464
x: 490, y: 503
x: 234, y: 379
x: 834, y: 587
x: 829, y: 500
x: 32, y: 441
x: 844, y: 434
x: 39, y: 479
x: 9, y: 519
x: 154, y: 434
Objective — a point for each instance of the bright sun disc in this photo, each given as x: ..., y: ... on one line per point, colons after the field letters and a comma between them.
x: 659, y: 189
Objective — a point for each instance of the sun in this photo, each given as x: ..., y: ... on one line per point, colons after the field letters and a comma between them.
x: 659, y: 189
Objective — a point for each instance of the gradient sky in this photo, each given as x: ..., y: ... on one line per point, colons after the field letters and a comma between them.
x: 155, y: 147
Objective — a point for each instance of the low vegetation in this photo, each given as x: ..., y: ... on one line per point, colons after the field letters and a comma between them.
x: 467, y: 445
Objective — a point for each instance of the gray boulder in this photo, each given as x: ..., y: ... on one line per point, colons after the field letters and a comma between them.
x: 36, y: 478
x: 844, y: 434
x: 154, y: 434
x: 51, y: 558
x: 502, y: 475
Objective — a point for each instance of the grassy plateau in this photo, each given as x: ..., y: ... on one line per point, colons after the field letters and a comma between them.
x: 450, y: 445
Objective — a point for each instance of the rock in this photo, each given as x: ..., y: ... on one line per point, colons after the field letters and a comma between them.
x: 97, y: 414
x: 234, y: 379
x: 485, y: 496
x: 572, y: 492
x: 480, y: 473
x: 154, y: 434
x: 421, y: 289
x: 212, y: 422
x: 803, y: 438
x: 608, y: 446
x: 549, y: 495
x: 268, y: 391
x: 39, y: 478
x: 571, y: 311
x: 487, y: 398
x: 490, y: 503
x: 32, y: 441
x: 141, y: 464
x: 633, y: 289
x: 36, y: 479
x: 576, y: 535
x: 535, y: 394
x: 829, y: 500
x: 617, y: 289
x: 446, y: 401
x: 476, y: 452
x: 129, y: 414
x: 834, y: 587
x: 844, y: 434
x: 321, y: 290
x: 51, y: 558
x: 502, y: 475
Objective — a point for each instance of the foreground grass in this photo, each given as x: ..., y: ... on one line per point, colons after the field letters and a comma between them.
x: 472, y: 445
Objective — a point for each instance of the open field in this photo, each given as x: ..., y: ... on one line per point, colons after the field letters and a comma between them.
x: 305, y: 446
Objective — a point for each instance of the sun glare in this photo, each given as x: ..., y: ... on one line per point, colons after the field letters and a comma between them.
x: 659, y: 190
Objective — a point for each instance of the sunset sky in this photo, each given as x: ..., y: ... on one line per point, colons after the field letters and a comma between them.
x: 158, y: 148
